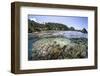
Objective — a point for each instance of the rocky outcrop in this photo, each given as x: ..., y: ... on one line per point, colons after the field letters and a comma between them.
x: 84, y: 30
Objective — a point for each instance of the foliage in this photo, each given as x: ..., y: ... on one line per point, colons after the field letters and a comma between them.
x: 38, y: 27
x: 72, y: 28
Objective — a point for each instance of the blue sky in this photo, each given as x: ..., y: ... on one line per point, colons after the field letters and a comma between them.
x: 76, y: 22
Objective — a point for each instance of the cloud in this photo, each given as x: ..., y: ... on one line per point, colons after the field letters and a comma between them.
x: 33, y: 19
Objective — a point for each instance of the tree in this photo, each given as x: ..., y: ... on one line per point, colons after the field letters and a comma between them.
x: 72, y: 28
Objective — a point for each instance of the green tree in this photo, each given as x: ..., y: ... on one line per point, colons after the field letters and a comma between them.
x: 72, y: 28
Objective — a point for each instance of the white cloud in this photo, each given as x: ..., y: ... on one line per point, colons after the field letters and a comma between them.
x: 34, y: 19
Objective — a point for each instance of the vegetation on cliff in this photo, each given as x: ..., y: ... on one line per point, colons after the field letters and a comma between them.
x: 37, y: 27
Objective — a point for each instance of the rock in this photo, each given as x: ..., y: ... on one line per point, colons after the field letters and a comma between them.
x: 84, y: 30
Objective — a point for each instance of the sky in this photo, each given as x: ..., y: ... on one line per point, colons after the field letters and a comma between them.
x: 74, y: 21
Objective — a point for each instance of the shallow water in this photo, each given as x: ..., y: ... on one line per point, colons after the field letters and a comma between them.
x: 71, y: 34
x: 68, y: 34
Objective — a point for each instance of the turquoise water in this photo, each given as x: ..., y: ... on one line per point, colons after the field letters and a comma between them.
x: 69, y: 34
x: 31, y: 40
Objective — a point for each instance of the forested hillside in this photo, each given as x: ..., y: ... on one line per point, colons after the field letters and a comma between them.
x: 37, y: 27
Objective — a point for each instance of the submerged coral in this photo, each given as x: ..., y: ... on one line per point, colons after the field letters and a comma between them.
x: 59, y: 48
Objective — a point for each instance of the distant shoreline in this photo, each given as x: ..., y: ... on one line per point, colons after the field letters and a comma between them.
x: 67, y: 34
